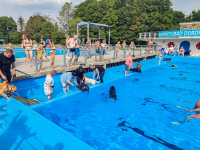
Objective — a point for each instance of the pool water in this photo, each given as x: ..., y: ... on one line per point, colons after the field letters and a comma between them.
x: 141, y: 116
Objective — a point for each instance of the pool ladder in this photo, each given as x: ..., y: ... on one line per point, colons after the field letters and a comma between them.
x: 28, y: 101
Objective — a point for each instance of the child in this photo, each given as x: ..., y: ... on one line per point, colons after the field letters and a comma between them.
x: 48, y: 84
x: 53, y: 54
x: 39, y: 54
x: 77, y: 52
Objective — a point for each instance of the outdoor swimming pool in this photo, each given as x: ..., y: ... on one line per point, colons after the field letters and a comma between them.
x: 141, y: 116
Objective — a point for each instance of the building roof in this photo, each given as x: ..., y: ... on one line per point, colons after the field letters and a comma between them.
x: 2, y: 40
x: 92, y: 25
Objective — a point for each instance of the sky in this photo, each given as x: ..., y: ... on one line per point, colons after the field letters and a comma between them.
x: 26, y: 8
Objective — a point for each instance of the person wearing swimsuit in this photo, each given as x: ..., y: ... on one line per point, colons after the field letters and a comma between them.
x: 67, y: 38
x: 160, y: 56
x: 88, y: 45
x: 28, y: 50
x: 196, y: 110
x: 166, y: 50
x: 39, y: 55
x: 124, y: 46
x: 42, y: 42
x: 53, y: 54
x: 132, y: 45
x: 118, y: 46
x: 181, y: 51
x: 150, y: 43
x: 103, y: 46
x: 98, y: 51
x: 71, y: 43
x: 175, y: 50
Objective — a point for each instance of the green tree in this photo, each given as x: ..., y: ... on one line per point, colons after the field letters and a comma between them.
x: 7, y: 24
x: 21, y: 25
x: 15, y: 37
x: 72, y: 27
x: 194, y: 16
x: 56, y: 26
x: 65, y: 15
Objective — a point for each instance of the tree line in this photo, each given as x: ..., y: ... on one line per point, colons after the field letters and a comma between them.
x: 127, y: 17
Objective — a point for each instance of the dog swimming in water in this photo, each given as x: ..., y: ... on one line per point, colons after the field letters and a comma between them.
x: 112, y: 92
x: 83, y: 87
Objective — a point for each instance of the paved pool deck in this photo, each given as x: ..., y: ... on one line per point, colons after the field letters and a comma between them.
x: 21, y: 128
x: 59, y: 64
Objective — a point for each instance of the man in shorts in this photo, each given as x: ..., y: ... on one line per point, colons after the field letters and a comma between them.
x: 129, y: 64
x: 71, y: 45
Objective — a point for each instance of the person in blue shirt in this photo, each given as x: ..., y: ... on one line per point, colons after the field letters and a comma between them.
x: 66, y: 80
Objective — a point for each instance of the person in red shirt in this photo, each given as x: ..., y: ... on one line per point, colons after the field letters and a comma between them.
x: 129, y: 64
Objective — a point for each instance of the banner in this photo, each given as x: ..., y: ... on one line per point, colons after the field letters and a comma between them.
x: 179, y: 33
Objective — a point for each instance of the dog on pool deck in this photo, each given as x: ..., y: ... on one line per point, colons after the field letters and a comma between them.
x: 83, y: 87
x: 92, y: 81
x: 112, y: 92
x: 4, y: 88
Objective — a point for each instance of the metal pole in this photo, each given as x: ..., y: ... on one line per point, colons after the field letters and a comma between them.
x: 101, y: 54
x: 125, y: 52
x: 152, y: 48
x: 88, y: 30
x: 141, y: 51
x: 36, y: 63
x: 99, y: 33
x: 77, y: 30
x: 114, y: 52
x: 134, y: 50
x: 109, y: 38
x: 64, y: 55
x: 85, y: 55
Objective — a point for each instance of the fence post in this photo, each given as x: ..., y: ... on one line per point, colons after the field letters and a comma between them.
x: 64, y: 55
x: 101, y: 53
x: 114, y: 52
x: 141, y: 51
x: 85, y: 55
x: 125, y: 52
x: 134, y: 50
x: 153, y: 48
x: 36, y: 63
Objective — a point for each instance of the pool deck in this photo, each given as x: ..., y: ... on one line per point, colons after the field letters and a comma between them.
x: 59, y: 65
x: 24, y: 129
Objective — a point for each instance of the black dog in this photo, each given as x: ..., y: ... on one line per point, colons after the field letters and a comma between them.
x: 112, y: 93
x: 135, y: 70
x: 83, y: 87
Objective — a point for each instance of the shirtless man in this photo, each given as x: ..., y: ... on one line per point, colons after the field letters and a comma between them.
x: 103, y: 45
x: 71, y: 45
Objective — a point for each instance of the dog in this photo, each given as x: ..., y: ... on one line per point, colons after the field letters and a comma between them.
x: 4, y: 88
x: 135, y: 70
x: 92, y: 81
x: 83, y: 87
x: 112, y: 93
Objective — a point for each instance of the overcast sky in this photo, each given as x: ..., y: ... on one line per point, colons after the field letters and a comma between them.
x: 26, y: 8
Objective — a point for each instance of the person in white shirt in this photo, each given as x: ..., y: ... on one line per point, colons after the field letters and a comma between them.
x: 166, y: 50
x: 48, y: 84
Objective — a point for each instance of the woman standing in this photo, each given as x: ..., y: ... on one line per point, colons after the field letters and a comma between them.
x: 67, y: 38
x: 48, y: 84
x: 42, y: 42
x: 88, y: 45
x: 160, y: 56
x: 28, y: 49
x: 118, y: 46
x: 22, y: 45
x: 131, y: 47
x: 124, y: 46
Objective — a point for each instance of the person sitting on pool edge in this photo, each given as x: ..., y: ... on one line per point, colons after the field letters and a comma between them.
x: 66, y: 80
x: 196, y: 109
x: 173, y: 66
x: 100, y: 72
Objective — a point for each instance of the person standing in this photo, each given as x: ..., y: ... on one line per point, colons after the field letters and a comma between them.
x: 100, y: 72
x: 131, y: 47
x: 118, y: 46
x: 171, y: 50
x: 48, y: 84
x: 124, y: 46
x: 88, y: 45
x: 103, y: 46
x: 71, y: 45
x: 97, y: 49
x: 66, y: 80
x: 28, y: 49
x: 150, y: 43
x: 182, y: 50
x: 129, y: 63
x: 175, y: 50
x: 53, y: 54
x: 67, y: 39
x: 77, y: 51
x: 166, y: 50
x: 160, y: 56
x: 42, y: 42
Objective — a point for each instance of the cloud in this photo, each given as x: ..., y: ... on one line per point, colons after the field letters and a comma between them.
x: 39, y: 2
